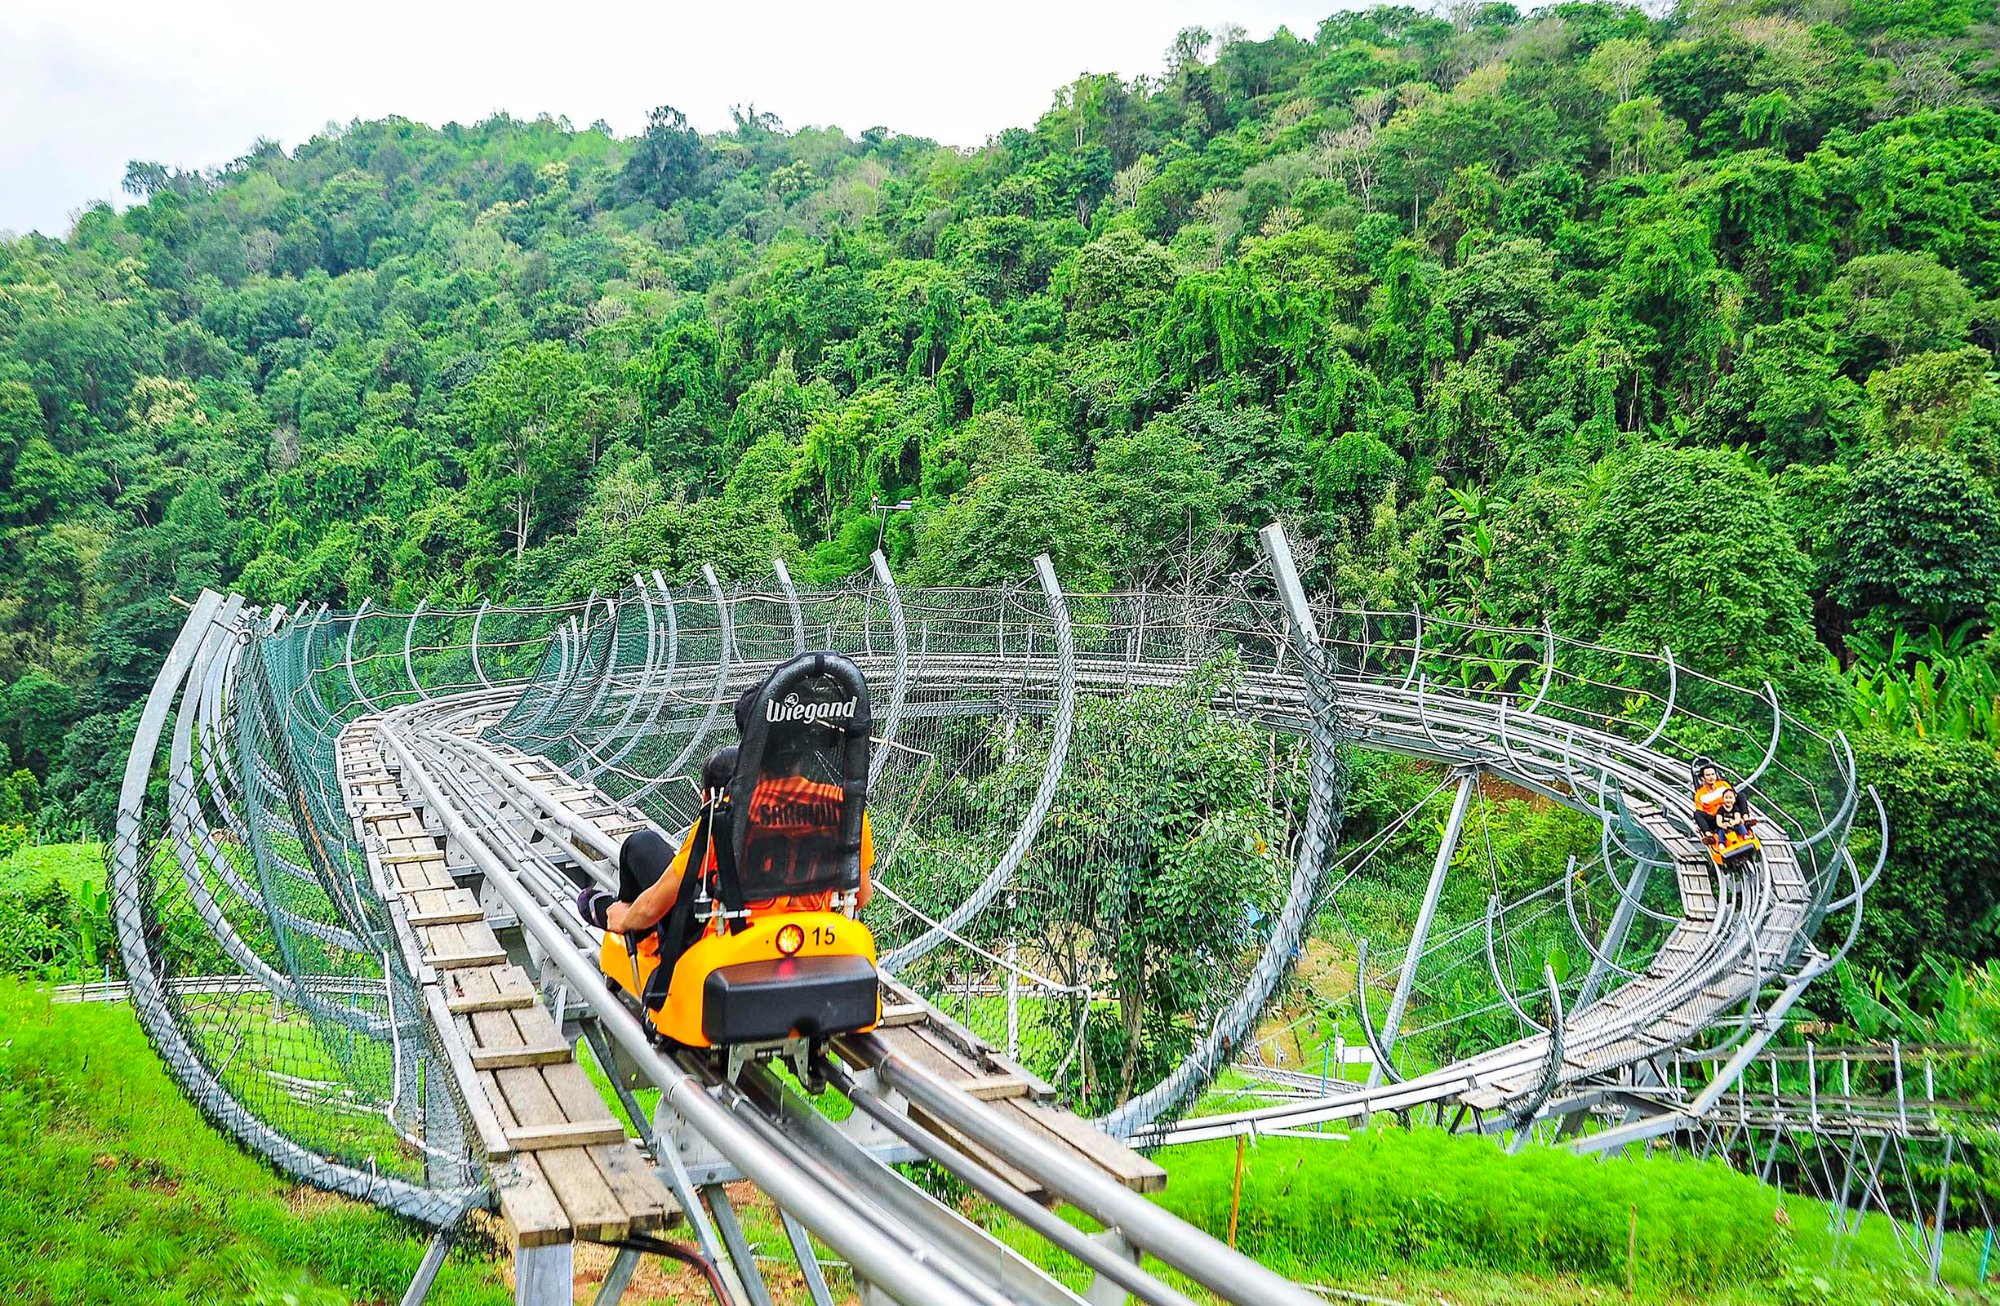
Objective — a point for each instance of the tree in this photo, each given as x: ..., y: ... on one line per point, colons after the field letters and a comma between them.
x: 526, y: 414
x: 990, y: 534
x: 1897, y: 304
x: 1918, y: 544
x: 1937, y: 895
x: 1160, y: 496
x: 1618, y: 66
x: 667, y: 160
x: 1685, y: 547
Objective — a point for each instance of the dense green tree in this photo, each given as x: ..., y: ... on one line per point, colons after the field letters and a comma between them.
x: 667, y: 161
x: 1937, y: 896
x: 526, y: 414
x: 1517, y: 309
x: 1678, y: 549
x: 1917, y: 544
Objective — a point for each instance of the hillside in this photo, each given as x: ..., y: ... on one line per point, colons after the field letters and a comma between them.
x: 1674, y: 329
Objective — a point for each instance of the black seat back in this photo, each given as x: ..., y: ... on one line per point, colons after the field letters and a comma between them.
x: 801, y: 784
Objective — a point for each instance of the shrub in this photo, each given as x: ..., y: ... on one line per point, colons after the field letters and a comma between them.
x: 1435, y: 1200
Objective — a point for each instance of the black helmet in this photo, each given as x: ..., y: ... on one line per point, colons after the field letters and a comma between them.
x: 718, y: 770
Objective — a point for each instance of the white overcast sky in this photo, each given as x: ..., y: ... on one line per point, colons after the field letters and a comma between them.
x: 86, y: 85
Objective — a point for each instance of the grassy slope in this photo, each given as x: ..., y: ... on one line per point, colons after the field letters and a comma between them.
x: 112, y: 1189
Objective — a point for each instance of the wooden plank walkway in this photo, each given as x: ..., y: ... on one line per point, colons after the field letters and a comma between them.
x: 563, y: 1166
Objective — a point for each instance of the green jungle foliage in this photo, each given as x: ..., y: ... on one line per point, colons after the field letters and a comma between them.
x: 1675, y: 329
x: 55, y: 917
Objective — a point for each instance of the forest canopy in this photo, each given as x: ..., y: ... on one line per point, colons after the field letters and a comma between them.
x: 1672, y: 327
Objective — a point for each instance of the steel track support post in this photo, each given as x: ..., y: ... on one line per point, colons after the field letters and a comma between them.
x: 546, y: 1275
x: 808, y: 1259
x: 740, y: 1255
x: 1426, y: 913
x: 1936, y: 1242
x: 1614, y: 937
x: 427, y: 1269
x: 617, y: 1278
x: 1013, y: 1000
x: 1102, y: 1290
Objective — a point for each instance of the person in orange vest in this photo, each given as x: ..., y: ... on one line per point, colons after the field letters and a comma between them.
x: 1708, y: 791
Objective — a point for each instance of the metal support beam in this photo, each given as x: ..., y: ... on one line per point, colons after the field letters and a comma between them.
x: 545, y: 1276
x: 740, y: 1256
x: 1426, y: 913
x: 1614, y: 936
x: 427, y: 1269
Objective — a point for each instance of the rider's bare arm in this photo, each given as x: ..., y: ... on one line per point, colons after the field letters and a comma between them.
x: 651, y: 906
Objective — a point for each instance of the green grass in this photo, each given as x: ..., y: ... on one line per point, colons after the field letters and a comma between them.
x: 1421, y: 1214
x: 113, y: 1188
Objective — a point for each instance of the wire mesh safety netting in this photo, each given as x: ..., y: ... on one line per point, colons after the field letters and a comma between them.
x: 258, y: 950
x: 1106, y: 826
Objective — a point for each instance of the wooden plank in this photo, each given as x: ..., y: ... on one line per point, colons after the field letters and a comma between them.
x: 498, y: 1043
x: 446, y: 907
x: 485, y: 1121
x: 647, y: 1203
x: 470, y: 944
x: 1013, y: 1178
x: 528, y: 1203
x: 486, y: 988
x: 993, y: 1088
x: 540, y: 1138
x: 1100, y: 1149
x: 507, y: 1058
x: 470, y: 989
x: 594, y: 1211
x: 574, y: 1093
x: 513, y: 982
x: 418, y: 877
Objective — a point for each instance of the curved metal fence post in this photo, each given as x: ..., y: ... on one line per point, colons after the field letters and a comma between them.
x: 666, y: 678
x: 479, y: 667
x: 1326, y: 798
x: 1523, y: 1117
x: 1673, y: 692
x: 784, y: 575
x: 1045, y: 792
x: 1777, y: 729
x: 725, y: 641
x: 409, y: 632
x: 1417, y: 649
x: 640, y: 691
x: 899, y: 689
x: 1493, y: 966
x: 354, y: 684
